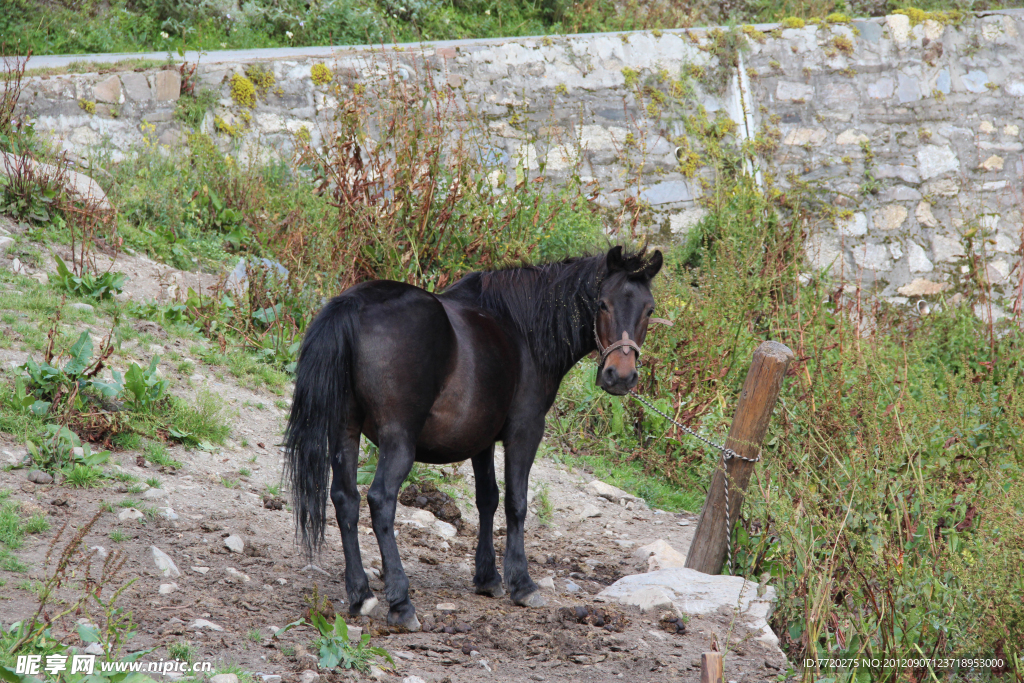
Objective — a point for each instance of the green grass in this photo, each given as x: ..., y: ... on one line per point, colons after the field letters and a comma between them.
x: 157, y: 454
x: 244, y: 472
x: 83, y: 476
x: 13, y: 529
x: 182, y: 650
x: 229, y: 483
x: 272, y: 489
x: 153, y: 482
x: 118, y: 536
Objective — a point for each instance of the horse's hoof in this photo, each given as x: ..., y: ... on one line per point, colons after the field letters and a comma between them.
x: 368, y: 606
x: 495, y: 591
x: 412, y: 624
x: 534, y: 599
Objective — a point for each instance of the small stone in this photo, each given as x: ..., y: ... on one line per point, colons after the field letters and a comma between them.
x: 200, y: 570
x: 309, y: 676
x: 447, y: 607
x: 377, y: 674
x: 608, y: 492
x: 167, y: 588
x: 224, y: 678
x: 424, y: 517
x: 234, y: 543
x: 872, y: 257
x: 164, y: 563
x: 590, y: 510
x: 271, y: 678
x: 794, y: 92
x: 167, y: 513
x: 683, y: 522
x: 100, y: 551
x: 94, y: 649
x: 946, y: 187
x: 854, y: 226
x: 39, y: 477
x: 934, y: 160
x: 129, y: 514
x: 987, y: 127
x: 571, y: 587
x: 899, y: 27
x: 547, y: 582
x: 236, y: 576
x: 79, y: 306
x: 154, y: 493
x: 993, y: 163
x: 204, y: 625
x: 282, y: 581
x: 1011, y: 129
x: 173, y: 627
x: 413, y: 679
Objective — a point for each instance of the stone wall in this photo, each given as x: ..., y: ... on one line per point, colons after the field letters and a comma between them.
x: 913, y: 131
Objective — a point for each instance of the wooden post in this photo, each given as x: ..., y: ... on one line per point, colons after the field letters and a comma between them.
x: 711, y: 667
x: 749, y: 424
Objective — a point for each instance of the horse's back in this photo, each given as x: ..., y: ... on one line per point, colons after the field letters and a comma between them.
x: 444, y: 370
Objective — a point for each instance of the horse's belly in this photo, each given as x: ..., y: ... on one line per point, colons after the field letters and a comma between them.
x: 461, y: 425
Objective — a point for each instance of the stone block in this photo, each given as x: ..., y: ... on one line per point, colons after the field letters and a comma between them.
x: 108, y: 90
x: 136, y: 87
x: 925, y: 216
x: 794, y: 92
x: 993, y: 163
x: 946, y: 249
x: 798, y: 137
x: 872, y: 257
x: 890, y: 217
x: 854, y: 226
x: 908, y: 88
x: 922, y: 287
x: 681, y: 223
x: 851, y: 137
x: 917, y: 259
x: 934, y: 160
x: 899, y: 27
x: 668, y: 192
x: 945, y: 187
x: 168, y: 85
x: 882, y: 89
x: 975, y: 81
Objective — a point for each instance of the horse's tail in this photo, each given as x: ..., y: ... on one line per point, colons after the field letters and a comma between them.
x: 320, y: 405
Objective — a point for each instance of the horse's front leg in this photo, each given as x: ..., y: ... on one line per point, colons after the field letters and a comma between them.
x: 397, y: 454
x: 345, y: 496
x: 520, y: 450
x: 487, y: 579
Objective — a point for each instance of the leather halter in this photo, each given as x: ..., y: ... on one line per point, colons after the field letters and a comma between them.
x: 625, y: 343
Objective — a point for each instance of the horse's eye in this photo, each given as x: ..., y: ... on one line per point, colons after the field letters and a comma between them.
x: 602, y: 305
x: 650, y: 312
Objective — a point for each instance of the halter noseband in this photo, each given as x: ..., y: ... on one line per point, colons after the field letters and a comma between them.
x: 625, y: 343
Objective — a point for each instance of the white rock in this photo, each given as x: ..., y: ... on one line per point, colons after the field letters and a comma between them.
x: 917, y: 259
x: 101, y: 552
x: 424, y: 517
x: 692, y: 592
x: 236, y: 575
x: 152, y: 494
x: 200, y: 570
x: 203, y: 624
x: 224, y: 678
x: 608, y: 492
x: 590, y: 510
x: 94, y: 649
x: 167, y: 513
x: 547, y: 582
x: 659, y: 555
x: 447, y: 607
x: 854, y: 226
x: 413, y: 679
x: 168, y: 588
x: 234, y: 543
x: 164, y: 563
x: 899, y: 27
x: 129, y: 514
x: 309, y: 676
x: 444, y: 529
x: 933, y: 160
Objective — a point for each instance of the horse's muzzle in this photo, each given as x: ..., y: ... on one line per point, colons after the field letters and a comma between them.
x: 609, y: 379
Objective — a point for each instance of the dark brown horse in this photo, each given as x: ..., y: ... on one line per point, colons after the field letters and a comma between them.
x: 439, y: 378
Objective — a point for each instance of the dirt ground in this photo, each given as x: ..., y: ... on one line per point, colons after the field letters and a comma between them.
x: 246, y: 596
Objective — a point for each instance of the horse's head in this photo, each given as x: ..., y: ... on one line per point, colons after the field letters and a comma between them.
x: 624, y: 309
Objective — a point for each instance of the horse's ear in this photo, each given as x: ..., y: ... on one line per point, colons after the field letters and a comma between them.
x: 614, y: 261
x: 653, y: 265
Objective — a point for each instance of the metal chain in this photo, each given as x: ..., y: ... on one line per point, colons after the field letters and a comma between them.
x: 727, y: 454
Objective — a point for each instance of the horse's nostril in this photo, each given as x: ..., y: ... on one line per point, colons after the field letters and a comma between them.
x: 633, y: 377
x: 610, y: 375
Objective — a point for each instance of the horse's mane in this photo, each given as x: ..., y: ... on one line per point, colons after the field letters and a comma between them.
x: 551, y: 304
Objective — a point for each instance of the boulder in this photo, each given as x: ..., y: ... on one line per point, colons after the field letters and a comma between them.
x: 691, y: 592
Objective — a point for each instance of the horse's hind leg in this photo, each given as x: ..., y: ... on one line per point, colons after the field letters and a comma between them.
x: 397, y: 454
x: 345, y: 496
x: 487, y: 579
